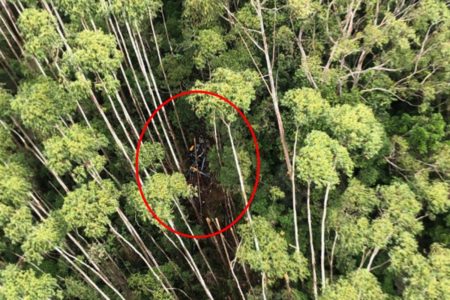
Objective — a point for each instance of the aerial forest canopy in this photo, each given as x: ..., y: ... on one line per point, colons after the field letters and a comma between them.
x: 348, y: 100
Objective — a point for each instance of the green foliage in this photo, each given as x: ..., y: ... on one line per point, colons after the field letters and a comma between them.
x: 276, y: 193
x: 431, y: 282
x: 79, y: 146
x: 38, y: 28
x: 357, y: 129
x: 43, y: 238
x: 19, y: 226
x: 41, y: 103
x: 353, y: 235
x: 425, y: 278
x: 146, y: 285
x: 94, y: 52
x: 442, y: 159
x: 27, y: 285
x: 160, y: 191
x: 137, y: 11
x: 90, y: 206
x: 151, y: 155
x: 80, y: 88
x: 273, y: 257
x: 276, y: 294
x: 5, y: 213
x: 5, y: 103
x: 309, y: 108
x: 238, y: 87
x: 360, y: 284
x: 14, y: 184
x: 7, y: 143
x: 82, y: 11
x: 301, y: 8
x: 177, y: 68
x: 435, y: 194
x: 247, y: 17
x: 202, y: 12
x: 381, y: 230
x: 349, y: 216
x: 321, y: 158
x: 77, y: 289
x: 362, y: 84
x: 209, y: 43
x: 423, y: 133
x: 358, y: 199
x: 359, y: 228
x: 226, y: 173
x: 404, y: 257
x: 401, y: 206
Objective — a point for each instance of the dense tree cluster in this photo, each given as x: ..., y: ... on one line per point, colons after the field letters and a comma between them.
x: 348, y: 100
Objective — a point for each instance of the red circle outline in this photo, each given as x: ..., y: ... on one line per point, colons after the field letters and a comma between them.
x: 258, y: 164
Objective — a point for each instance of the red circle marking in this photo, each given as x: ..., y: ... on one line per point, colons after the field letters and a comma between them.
x: 258, y: 164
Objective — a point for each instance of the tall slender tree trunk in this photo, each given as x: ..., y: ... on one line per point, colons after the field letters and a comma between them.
x: 372, y: 258
x: 294, y: 194
x: 155, y: 39
x: 311, y: 240
x: 273, y: 88
x: 116, y: 233
x: 194, y: 265
x: 333, y: 248
x: 322, y: 237
x: 249, y: 217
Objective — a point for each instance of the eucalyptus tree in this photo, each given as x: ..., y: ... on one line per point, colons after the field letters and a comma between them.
x: 250, y: 19
x: 38, y: 28
x: 239, y: 87
x: 357, y: 128
x: 164, y: 192
x: 425, y: 278
x: 274, y: 258
x: 356, y: 285
x: 209, y: 44
x: 41, y: 103
x: 94, y: 59
x: 354, y: 88
x: 77, y: 151
x: 89, y: 207
x: 364, y: 237
x: 43, y: 238
x: 15, y: 183
x: 202, y: 12
x: 132, y: 15
x: 27, y: 284
x: 309, y: 110
x: 319, y: 163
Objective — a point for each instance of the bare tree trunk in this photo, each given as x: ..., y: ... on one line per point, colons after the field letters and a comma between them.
x: 294, y: 198
x: 116, y: 233
x: 311, y: 240
x: 249, y: 217
x: 194, y: 265
x: 231, y: 266
x: 195, y: 240
x: 273, y: 89
x: 96, y: 270
x: 165, y: 78
x: 372, y: 258
x: 322, y: 237
x: 86, y: 277
x: 333, y: 248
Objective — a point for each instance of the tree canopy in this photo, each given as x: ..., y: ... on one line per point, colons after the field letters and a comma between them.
x: 348, y: 101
